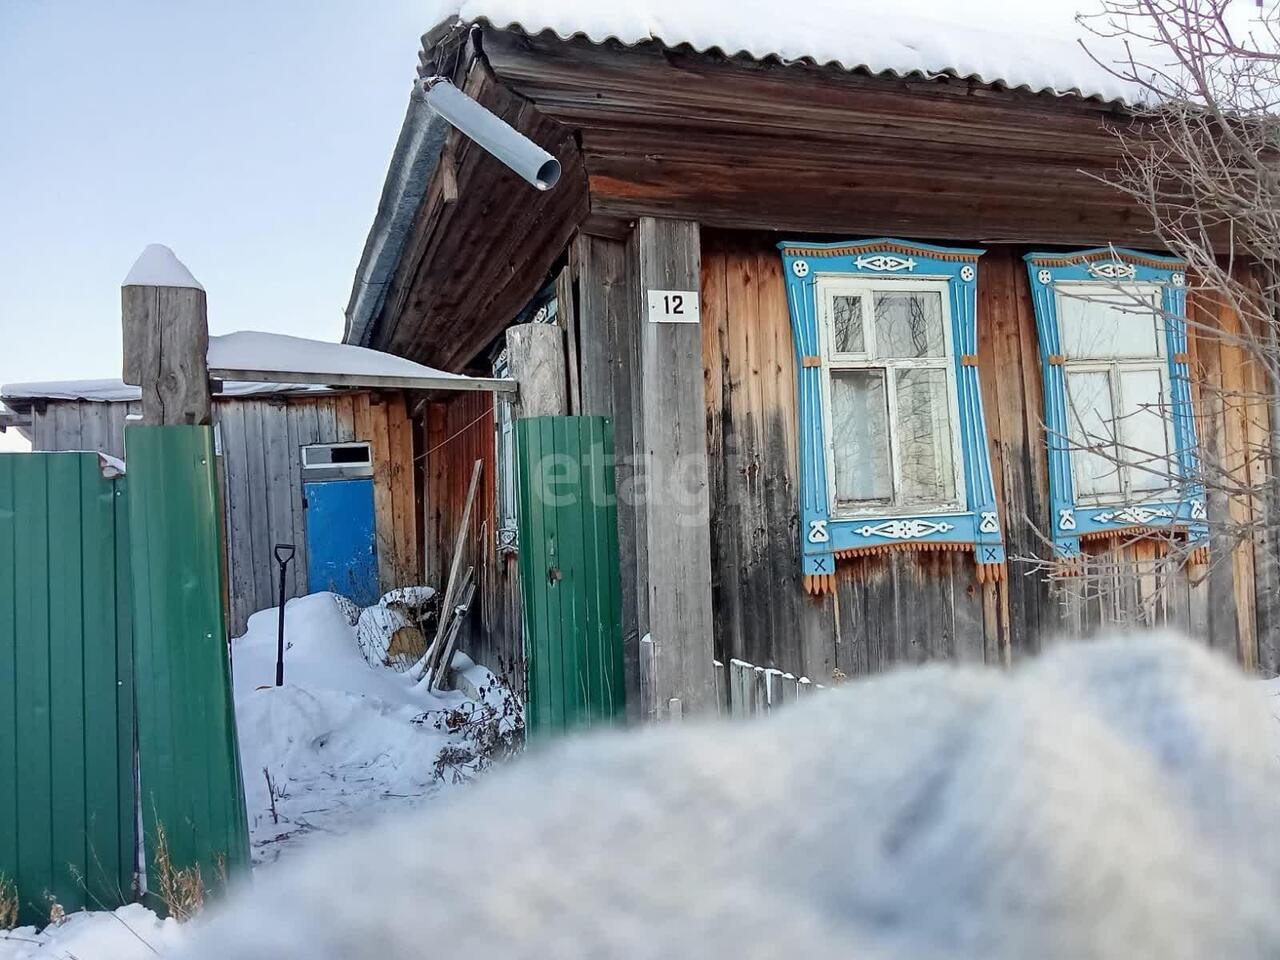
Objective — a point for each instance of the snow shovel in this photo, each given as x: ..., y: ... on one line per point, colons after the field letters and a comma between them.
x: 284, y: 553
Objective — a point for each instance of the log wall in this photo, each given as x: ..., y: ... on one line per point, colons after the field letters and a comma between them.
x: 912, y: 608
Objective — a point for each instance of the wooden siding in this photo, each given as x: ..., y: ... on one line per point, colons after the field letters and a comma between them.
x: 61, y: 425
x: 261, y: 471
x: 911, y: 608
x: 458, y: 433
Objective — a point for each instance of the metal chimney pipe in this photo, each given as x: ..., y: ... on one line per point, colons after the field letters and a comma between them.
x: 498, y: 138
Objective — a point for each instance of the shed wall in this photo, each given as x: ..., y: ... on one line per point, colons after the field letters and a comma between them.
x: 260, y: 440
x: 458, y: 433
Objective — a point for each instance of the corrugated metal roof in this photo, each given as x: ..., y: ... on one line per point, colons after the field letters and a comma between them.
x: 1033, y: 45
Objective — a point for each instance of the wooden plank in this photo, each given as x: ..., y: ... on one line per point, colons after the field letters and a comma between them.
x: 600, y: 271
x: 240, y: 557
x: 326, y: 420
x: 383, y: 499
x: 678, y: 571
x: 399, y: 465
x: 1236, y: 456
x: 257, y: 496
x: 607, y: 305
x: 448, y: 383
x: 429, y: 659
x: 291, y: 414
x: 279, y: 499
x: 1219, y: 605
x: 567, y: 313
x: 344, y: 418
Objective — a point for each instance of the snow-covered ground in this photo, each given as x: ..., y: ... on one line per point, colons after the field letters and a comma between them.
x: 339, y: 739
x: 131, y: 933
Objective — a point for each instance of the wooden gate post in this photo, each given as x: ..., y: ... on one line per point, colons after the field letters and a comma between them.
x: 166, y: 339
x: 535, y: 357
x: 673, y: 535
x: 188, y: 755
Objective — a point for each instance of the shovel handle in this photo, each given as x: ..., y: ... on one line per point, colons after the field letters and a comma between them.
x: 284, y: 552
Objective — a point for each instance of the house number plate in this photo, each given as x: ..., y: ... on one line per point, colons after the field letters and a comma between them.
x: 674, y: 306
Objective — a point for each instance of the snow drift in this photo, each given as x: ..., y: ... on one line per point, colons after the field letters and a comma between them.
x: 1111, y: 800
x: 342, y: 743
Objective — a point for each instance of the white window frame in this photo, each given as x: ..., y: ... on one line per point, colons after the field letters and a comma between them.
x: 866, y: 288
x: 1114, y: 367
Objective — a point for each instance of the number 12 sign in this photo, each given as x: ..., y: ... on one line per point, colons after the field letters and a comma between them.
x: 674, y: 306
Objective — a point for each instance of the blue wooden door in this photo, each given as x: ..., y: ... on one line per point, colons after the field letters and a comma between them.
x: 341, y: 539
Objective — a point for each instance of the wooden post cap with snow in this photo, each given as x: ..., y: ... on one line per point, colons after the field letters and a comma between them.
x: 166, y: 338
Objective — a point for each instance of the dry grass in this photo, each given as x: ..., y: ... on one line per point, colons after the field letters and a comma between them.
x: 8, y: 903
x: 182, y: 890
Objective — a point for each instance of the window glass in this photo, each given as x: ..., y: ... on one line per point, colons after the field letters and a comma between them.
x: 1091, y: 433
x: 909, y: 324
x: 860, y: 436
x: 1106, y: 324
x: 1144, y: 431
x: 846, y: 324
x: 924, y: 436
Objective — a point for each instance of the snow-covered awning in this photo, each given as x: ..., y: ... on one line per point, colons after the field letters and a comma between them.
x: 253, y: 363
x: 253, y: 356
x: 1031, y: 45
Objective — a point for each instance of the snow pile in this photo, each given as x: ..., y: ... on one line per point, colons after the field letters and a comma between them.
x: 342, y: 742
x: 158, y: 266
x: 131, y: 933
x: 1112, y: 800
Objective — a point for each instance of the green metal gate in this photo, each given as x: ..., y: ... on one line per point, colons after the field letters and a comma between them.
x: 569, y: 573
x: 67, y: 816
x: 187, y: 751
x: 113, y: 644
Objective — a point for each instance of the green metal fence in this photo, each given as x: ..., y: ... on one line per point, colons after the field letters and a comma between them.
x: 569, y: 573
x: 67, y: 816
x: 188, y: 757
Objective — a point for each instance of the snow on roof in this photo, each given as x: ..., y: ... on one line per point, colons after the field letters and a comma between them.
x: 252, y: 350
x: 1033, y: 45
x: 248, y: 350
x: 158, y: 266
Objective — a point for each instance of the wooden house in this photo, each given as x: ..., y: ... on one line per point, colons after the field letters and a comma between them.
x: 868, y: 216
x: 314, y: 454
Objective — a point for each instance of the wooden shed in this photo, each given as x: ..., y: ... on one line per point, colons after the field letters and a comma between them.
x: 797, y: 203
x: 335, y: 469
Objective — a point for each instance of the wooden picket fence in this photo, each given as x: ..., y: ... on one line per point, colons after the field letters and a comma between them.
x: 745, y: 690
x: 742, y: 689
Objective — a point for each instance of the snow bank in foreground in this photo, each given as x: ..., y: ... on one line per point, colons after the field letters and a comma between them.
x: 130, y: 933
x: 339, y: 740
x: 1112, y: 800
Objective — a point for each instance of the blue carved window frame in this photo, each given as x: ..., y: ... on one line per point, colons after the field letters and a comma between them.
x: 1182, y: 509
x: 825, y: 537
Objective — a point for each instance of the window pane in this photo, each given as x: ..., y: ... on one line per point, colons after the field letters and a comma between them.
x: 860, y: 435
x: 924, y: 437
x: 846, y: 325
x: 909, y: 324
x: 1107, y: 324
x: 1144, y: 430
x: 1091, y: 431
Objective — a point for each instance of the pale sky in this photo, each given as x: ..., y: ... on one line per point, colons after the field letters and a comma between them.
x: 251, y: 136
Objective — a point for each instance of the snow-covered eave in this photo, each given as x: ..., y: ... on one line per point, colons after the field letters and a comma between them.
x: 1105, y: 88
